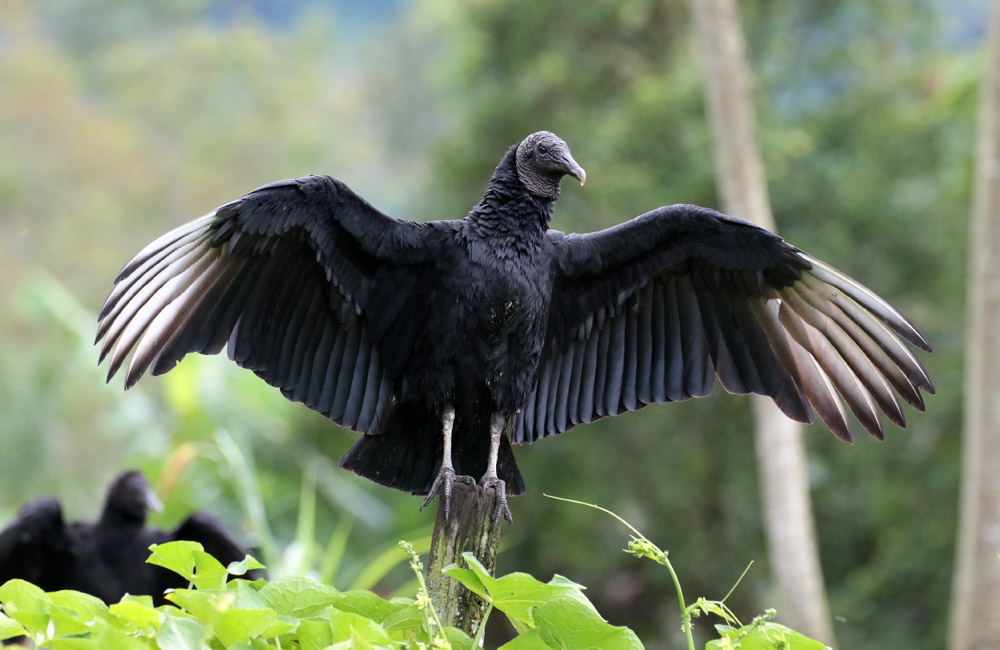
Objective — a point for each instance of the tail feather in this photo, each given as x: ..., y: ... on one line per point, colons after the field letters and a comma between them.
x: 406, y: 453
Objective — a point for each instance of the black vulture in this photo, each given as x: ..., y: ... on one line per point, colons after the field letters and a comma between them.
x: 105, y: 558
x: 493, y: 324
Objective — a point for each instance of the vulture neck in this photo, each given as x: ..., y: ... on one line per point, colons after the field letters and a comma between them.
x: 119, y: 517
x: 508, y: 210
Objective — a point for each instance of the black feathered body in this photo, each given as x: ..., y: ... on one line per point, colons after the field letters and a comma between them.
x: 479, y: 336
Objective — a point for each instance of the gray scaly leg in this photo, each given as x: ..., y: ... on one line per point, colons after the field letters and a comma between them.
x: 446, y: 475
x: 490, y: 478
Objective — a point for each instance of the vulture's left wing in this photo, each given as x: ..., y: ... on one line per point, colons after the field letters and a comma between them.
x: 652, y: 310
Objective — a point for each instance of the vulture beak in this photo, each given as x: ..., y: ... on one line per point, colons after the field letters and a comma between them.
x: 573, y: 169
x: 153, y: 501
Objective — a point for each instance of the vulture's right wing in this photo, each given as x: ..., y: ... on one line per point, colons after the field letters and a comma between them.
x: 300, y: 277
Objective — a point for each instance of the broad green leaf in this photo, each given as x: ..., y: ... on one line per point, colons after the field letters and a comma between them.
x: 209, y: 572
x: 279, y: 626
x: 357, y: 628
x: 517, y: 594
x: 369, y: 604
x: 762, y: 636
x: 180, y: 633
x: 26, y: 604
x: 176, y: 556
x: 190, y: 560
x: 567, y: 624
x: 298, y: 596
x: 469, y: 579
x: 407, y: 618
x: 457, y: 638
x: 234, y: 625
x: 203, y: 605
x: 246, y: 564
x: 10, y: 628
x: 83, y: 607
x: 107, y: 637
x: 248, y: 598
x: 530, y: 640
x: 315, y: 634
x: 138, y: 614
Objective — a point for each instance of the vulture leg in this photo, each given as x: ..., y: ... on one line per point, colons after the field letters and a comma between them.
x: 446, y: 475
x: 490, y: 478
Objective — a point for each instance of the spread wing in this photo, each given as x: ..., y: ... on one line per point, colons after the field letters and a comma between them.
x: 654, y: 309
x: 302, y: 278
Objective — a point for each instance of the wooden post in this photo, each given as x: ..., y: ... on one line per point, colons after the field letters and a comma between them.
x: 468, y: 529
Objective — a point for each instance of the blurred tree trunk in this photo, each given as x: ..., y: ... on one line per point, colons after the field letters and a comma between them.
x: 975, y: 607
x: 780, y: 449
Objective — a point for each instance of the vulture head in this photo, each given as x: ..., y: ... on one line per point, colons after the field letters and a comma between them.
x: 129, y: 498
x: 542, y: 160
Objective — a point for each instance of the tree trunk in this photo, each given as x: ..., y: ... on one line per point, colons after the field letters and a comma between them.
x: 467, y: 529
x: 975, y: 608
x: 780, y: 449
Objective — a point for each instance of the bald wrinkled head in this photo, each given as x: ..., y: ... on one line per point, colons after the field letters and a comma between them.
x: 542, y: 160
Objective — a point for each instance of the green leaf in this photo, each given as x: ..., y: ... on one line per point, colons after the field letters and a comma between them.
x: 530, y: 640
x: 180, y: 633
x: 234, y: 625
x: 10, y: 628
x: 175, y: 556
x: 360, y: 630
x: 190, y: 560
x: 517, y: 594
x: 762, y: 636
x: 406, y: 618
x: 203, y: 605
x: 315, y: 634
x: 369, y: 604
x: 567, y: 624
x: 26, y: 604
x: 469, y: 579
x: 137, y: 613
x: 457, y: 638
x: 298, y: 596
x: 240, y: 568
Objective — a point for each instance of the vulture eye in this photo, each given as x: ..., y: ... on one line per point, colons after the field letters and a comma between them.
x: 542, y: 149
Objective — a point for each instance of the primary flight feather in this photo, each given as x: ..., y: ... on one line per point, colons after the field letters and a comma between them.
x: 443, y: 342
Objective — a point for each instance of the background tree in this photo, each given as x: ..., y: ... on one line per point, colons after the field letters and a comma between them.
x: 791, y: 531
x: 975, y: 609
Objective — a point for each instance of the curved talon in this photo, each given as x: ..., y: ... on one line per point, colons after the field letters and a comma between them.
x: 501, y: 509
x: 442, y: 485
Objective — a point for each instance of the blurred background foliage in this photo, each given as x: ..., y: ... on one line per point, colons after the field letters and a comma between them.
x: 120, y: 120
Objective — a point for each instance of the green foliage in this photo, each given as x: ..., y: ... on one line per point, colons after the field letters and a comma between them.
x: 219, y: 612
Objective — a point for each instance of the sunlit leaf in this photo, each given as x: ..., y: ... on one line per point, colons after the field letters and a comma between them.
x: 762, y: 636
x: 180, y: 633
x: 26, y: 604
x: 298, y: 596
x: 137, y: 613
x: 568, y: 624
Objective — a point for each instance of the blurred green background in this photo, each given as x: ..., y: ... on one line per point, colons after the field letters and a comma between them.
x: 120, y: 120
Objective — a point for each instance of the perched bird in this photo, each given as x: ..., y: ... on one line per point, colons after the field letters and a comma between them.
x: 105, y: 558
x: 434, y: 339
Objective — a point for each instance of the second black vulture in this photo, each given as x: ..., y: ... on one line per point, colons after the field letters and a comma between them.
x: 434, y: 339
x: 107, y: 557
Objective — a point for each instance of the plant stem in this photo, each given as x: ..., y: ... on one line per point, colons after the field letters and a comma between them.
x: 685, y: 615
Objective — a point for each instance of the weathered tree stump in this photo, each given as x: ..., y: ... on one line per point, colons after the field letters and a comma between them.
x: 467, y: 529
